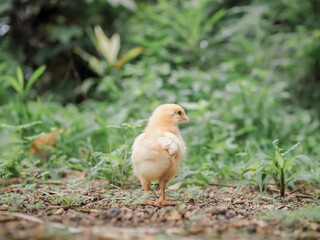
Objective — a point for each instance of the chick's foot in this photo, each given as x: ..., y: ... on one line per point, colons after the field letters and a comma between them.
x: 164, y: 203
x: 146, y: 201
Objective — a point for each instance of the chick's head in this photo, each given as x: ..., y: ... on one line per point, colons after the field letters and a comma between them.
x: 170, y: 114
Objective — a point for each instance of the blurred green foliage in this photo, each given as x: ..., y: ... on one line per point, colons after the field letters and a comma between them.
x: 247, y: 73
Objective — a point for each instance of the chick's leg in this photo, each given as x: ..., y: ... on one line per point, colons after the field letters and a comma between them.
x: 162, y: 201
x: 146, y: 187
x: 145, y: 184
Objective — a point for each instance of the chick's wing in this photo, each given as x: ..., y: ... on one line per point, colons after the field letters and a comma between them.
x: 169, y: 143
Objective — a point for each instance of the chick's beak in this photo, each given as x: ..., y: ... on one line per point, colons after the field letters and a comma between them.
x: 185, y: 118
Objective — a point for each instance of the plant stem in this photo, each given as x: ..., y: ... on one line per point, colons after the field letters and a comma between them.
x: 282, y: 184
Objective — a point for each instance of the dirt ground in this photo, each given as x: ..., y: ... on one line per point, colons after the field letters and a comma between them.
x: 74, y: 209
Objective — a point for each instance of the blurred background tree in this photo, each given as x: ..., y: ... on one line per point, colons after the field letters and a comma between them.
x: 182, y: 33
x: 46, y: 32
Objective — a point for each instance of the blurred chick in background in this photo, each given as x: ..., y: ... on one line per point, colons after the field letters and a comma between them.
x: 156, y: 153
x: 38, y: 146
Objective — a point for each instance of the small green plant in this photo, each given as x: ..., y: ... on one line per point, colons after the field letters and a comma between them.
x: 34, y: 176
x: 109, y: 62
x: 12, y: 144
x: 276, y: 167
x: 68, y: 201
x: 109, y: 48
x: 113, y: 167
x: 18, y: 82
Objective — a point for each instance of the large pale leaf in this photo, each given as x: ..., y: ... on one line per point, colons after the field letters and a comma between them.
x: 103, y: 43
x: 109, y: 48
x: 115, y: 47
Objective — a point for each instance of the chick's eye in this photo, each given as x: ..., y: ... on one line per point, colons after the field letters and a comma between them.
x: 179, y: 112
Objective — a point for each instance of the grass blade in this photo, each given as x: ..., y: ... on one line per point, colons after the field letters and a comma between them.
x: 34, y: 77
x: 13, y: 82
x: 20, y: 77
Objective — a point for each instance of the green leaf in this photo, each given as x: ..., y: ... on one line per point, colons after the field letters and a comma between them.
x: 96, y: 65
x: 288, y: 162
x: 34, y: 77
x: 92, y: 36
x: 214, y: 19
x: 290, y: 179
x: 12, y: 169
x: 275, y: 142
x: 101, y: 121
x: 257, y: 159
x: 13, y: 82
x: 83, y: 54
x: 201, y: 178
x: 131, y: 54
x: 305, y: 160
x: 20, y: 77
x: 23, y: 126
x: 279, y: 159
x: 259, y: 178
x: 252, y: 167
x: 290, y: 149
x: 274, y: 169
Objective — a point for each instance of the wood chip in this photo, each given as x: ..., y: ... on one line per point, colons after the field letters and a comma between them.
x: 175, y: 186
x: 59, y: 211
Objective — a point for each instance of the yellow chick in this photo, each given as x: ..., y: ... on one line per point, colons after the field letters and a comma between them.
x: 156, y: 153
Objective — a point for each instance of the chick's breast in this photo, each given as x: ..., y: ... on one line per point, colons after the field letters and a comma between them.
x: 157, y: 157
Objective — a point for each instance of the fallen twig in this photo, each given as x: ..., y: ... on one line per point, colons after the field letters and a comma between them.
x: 223, y: 185
x: 304, y: 196
x: 116, y: 187
x: 154, y: 205
x: 89, y: 210
x: 281, y: 207
x: 54, y: 182
x: 297, y: 189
